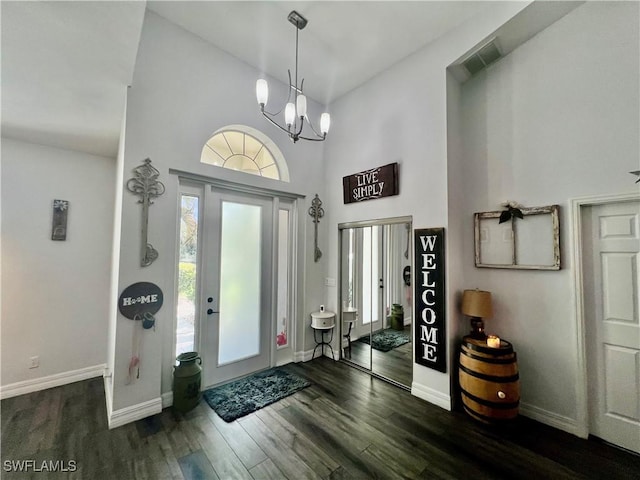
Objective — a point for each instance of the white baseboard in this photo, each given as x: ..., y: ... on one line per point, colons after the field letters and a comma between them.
x: 283, y: 361
x: 167, y: 399
x: 108, y: 394
x: 306, y: 355
x: 432, y: 396
x: 120, y: 417
x: 336, y: 354
x: 57, y: 380
x: 302, y: 356
x: 554, y: 420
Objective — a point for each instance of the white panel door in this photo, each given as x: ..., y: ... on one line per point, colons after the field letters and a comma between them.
x: 237, y: 285
x: 612, y: 307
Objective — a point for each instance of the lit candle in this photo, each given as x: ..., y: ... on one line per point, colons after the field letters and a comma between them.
x: 493, y: 341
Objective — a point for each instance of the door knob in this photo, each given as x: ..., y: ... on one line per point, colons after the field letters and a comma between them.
x: 210, y: 311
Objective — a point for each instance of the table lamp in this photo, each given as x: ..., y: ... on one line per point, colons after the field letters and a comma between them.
x: 477, y: 305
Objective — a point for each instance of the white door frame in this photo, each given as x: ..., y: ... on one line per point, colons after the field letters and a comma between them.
x: 214, y: 372
x: 576, y: 206
x: 200, y: 182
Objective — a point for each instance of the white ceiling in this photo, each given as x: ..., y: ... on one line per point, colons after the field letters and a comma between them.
x: 343, y: 45
x: 65, y: 68
x: 65, y: 65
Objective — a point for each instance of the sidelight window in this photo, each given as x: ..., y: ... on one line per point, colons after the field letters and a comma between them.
x: 187, y: 272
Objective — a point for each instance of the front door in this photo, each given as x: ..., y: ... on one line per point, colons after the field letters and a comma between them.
x: 611, y: 238
x: 236, y: 293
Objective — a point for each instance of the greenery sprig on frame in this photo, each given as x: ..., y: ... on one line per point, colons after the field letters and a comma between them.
x: 512, y: 211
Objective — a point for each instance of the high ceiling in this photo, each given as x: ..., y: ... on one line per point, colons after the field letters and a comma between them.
x: 343, y: 45
x: 66, y: 65
x: 65, y: 68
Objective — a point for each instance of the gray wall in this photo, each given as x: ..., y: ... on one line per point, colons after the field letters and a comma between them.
x: 557, y: 118
x: 183, y: 90
x: 401, y: 116
x: 54, y: 293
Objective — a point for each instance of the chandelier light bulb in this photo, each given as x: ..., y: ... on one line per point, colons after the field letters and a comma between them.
x: 289, y: 114
x: 262, y: 91
x: 325, y: 123
x: 301, y: 106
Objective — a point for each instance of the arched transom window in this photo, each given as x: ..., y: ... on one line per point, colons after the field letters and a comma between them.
x: 245, y: 149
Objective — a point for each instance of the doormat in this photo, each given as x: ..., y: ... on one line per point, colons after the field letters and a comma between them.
x: 242, y: 397
x: 388, y: 339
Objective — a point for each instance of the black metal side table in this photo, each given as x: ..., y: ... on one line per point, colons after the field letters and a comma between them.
x: 322, y: 342
x: 323, y: 322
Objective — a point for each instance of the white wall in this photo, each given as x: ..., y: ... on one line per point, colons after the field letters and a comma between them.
x: 557, y: 118
x: 55, y: 293
x: 115, y: 259
x: 183, y: 90
x: 401, y: 116
x: 458, y: 234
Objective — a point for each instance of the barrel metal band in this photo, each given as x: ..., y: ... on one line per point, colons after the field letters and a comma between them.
x: 484, y: 417
x: 490, y: 378
x: 489, y: 350
x: 500, y: 361
x: 489, y: 403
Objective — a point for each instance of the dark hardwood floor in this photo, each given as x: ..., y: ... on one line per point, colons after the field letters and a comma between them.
x: 346, y: 425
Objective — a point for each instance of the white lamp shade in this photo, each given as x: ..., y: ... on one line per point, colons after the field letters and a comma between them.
x: 262, y: 91
x: 301, y: 105
x: 289, y: 113
x: 325, y: 122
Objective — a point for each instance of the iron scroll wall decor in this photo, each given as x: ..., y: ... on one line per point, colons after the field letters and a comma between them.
x: 145, y: 184
x: 430, y: 332
x: 371, y: 184
x: 317, y: 212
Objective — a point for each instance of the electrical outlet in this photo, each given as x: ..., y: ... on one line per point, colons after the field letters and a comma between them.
x: 35, y: 362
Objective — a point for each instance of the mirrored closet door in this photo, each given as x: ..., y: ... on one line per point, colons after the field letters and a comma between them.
x: 375, y: 295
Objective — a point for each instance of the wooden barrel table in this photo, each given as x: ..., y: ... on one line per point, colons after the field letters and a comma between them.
x: 489, y: 380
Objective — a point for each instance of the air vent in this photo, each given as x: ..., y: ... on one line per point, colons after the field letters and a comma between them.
x: 484, y: 57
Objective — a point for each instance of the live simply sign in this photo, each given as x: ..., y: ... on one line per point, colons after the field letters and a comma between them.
x: 375, y: 183
x: 431, y: 338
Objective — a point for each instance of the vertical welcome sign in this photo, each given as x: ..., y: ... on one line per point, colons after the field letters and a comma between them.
x: 430, y: 333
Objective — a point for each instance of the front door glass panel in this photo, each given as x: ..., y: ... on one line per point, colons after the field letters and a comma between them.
x: 240, y: 261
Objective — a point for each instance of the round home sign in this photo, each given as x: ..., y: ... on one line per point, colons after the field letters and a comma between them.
x: 140, y: 301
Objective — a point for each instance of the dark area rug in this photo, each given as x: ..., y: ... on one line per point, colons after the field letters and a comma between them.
x: 241, y: 397
x: 388, y: 339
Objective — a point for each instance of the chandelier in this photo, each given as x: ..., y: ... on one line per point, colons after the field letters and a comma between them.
x: 295, y: 109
